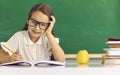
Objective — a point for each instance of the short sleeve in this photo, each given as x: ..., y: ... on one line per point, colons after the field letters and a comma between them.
x: 13, y: 42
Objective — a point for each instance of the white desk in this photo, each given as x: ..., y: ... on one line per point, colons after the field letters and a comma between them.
x: 71, y: 68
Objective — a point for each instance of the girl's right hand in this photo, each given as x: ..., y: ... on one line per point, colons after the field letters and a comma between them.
x: 16, y: 57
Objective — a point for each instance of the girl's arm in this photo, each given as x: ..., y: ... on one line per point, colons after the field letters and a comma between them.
x: 5, y: 57
x: 57, y: 51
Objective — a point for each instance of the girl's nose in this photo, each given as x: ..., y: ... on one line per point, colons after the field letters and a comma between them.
x: 37, y: 27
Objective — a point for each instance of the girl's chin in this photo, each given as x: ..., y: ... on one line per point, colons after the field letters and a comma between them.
x: 36, y: 36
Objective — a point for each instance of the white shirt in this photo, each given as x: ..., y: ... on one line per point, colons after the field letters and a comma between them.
x: 21, y: 43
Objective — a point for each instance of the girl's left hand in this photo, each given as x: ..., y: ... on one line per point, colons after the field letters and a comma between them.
x: 49, y: 29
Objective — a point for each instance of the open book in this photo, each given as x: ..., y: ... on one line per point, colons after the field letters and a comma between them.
x: 37, y: 63
x: 27, y: 63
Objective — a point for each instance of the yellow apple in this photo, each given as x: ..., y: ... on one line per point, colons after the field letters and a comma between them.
x: 82, y: 57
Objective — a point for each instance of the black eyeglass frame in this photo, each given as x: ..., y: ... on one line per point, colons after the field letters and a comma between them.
x: 39, y: 23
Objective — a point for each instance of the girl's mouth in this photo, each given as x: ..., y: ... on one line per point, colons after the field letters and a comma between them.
x: 36, y: 32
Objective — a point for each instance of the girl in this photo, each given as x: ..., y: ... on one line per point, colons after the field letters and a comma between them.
x: 36, y: 40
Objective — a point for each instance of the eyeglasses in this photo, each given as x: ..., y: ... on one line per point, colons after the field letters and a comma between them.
x: 34, y: 23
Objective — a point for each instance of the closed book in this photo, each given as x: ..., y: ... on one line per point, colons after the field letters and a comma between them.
x: 113, y: 42
x: 114, y: 45
x: 112, y: 51
x: 110, y: 57
x: 113, y: 39
x: 111, y: 60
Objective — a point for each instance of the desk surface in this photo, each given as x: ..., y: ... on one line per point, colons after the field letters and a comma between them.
x: 94, y: 62
x: 71, y: 68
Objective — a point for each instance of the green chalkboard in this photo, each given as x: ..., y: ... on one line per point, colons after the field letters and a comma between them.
x: 80, y: 24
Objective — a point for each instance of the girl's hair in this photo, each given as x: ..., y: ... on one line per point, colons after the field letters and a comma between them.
x: 44, y: 8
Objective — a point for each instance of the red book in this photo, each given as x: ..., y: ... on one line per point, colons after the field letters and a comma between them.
x: 113, y: 39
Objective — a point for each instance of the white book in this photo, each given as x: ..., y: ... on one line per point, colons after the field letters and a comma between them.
x: 43, y: 63
x: 113, y: 42
x: 112, y: 51
x: 112, y: 61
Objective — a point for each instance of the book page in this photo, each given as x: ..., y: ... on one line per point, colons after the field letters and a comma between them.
x: 17, y: 63
x: 48, y: 63
x: 37, y: 63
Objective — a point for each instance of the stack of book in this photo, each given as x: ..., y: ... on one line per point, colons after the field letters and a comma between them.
x: 112, y: 55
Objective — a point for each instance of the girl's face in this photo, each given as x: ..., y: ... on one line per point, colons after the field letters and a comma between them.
x: 37, y: 24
